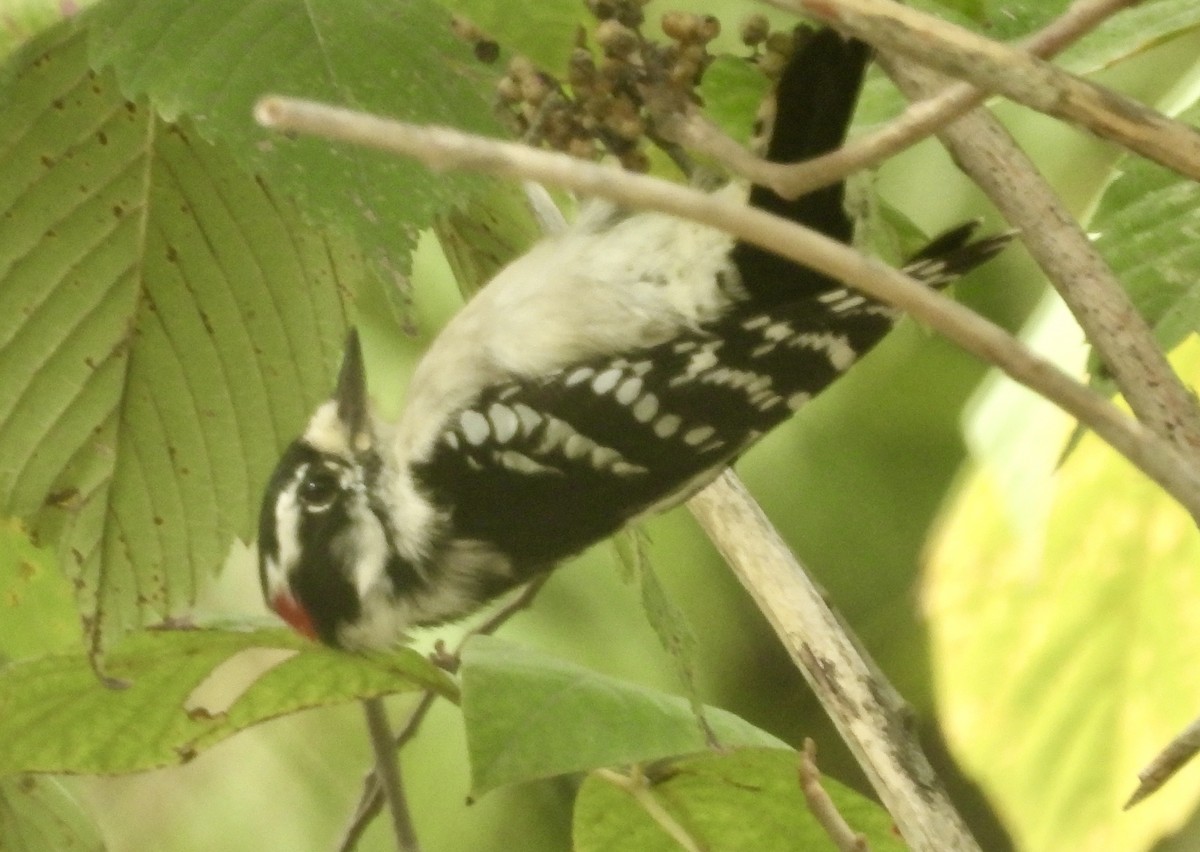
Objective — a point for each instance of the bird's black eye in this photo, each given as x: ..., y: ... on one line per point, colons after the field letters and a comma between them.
x: 319, y: 488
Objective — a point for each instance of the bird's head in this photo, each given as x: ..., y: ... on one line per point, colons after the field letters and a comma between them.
x: 323, y: 540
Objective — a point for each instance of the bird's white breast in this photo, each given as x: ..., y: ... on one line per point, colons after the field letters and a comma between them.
x: 605, y: 285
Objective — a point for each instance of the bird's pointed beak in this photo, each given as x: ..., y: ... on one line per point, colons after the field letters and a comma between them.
x: 350, y: 395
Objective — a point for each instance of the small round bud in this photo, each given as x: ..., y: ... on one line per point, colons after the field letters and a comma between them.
x: 629, y: 13
x: 534, y: 89
x: 684, y: 72
x: 465, y: 28
x: 629, y: 129
x: 487, y: 51
x: 708, y: 27
x: 508, y: 89
x: 781, y: 42
x: 602, y: 10
x: 616, y: 39
x: 581, y: 148
x: 771, y: 64
x: 681, y: 26
x: 617, y: 73
x: 581, y: 68
x: 635, y: 160
x: 624, y: 120
x: 520, y: 68
x: 754, y: 30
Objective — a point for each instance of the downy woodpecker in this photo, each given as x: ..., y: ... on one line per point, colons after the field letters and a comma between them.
x: 610, y: 372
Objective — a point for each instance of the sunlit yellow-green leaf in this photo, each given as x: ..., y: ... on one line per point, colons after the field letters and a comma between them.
x: 1064, y: 653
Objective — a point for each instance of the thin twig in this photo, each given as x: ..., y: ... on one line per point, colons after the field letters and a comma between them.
x: 387, y: 769
x: 994, y: 67
x: 1078, y: 19
x: 444, y: 148
x: 371, y: 800
x: 638, y: 789
x: 1169, y: 761
x: 823, y: 808
x: 497, y: 619
x: 920, y: 120
x: 868, y: 713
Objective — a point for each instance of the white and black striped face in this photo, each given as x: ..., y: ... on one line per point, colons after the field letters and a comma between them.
x: 322, y: 545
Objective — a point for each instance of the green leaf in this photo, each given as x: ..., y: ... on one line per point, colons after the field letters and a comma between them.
x: 667, y: 620
x: 212, y: 61
x: 485, y: 234
x: 1140, y: 221
x: 166, y: 324
x: 1134, y: 30
x: 1009, y: 19
x: 732, y: 90
x: 543, y: 31
x: 529, y: 715
x: 1063, y: 656
x: 37, y: 606
x: 959, y: 10
x: 21, y: 20
x: 38, y: 815
x: 185, y: 691
x: 748, y: 799
x: 1124, y: 36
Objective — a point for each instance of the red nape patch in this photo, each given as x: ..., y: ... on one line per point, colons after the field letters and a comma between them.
x: 289, y: 609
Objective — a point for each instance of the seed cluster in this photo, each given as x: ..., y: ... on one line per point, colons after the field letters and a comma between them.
x: 614, y: 74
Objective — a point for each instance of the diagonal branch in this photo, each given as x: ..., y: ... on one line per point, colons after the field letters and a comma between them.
x: 986, y: 152
x: 868, y: 713
x: 1014, y: 73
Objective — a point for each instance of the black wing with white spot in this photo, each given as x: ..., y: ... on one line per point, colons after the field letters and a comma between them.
x: 543, y: 469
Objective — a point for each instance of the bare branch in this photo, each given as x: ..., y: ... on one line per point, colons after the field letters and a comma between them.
x: 986, y: 152
x: 822, y: 807
x: 496, y: 620
x: 864, y: 707
x: 637, y: 787
x: 444, y: 148
x: 1017, y: 75
x: 1078, y: 19
x: 371, y: 800
x: 387, y: 769
x: 1169, y: 761
x: 920, y: 120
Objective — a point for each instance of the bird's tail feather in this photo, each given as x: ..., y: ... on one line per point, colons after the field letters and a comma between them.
x: 814, y: 103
